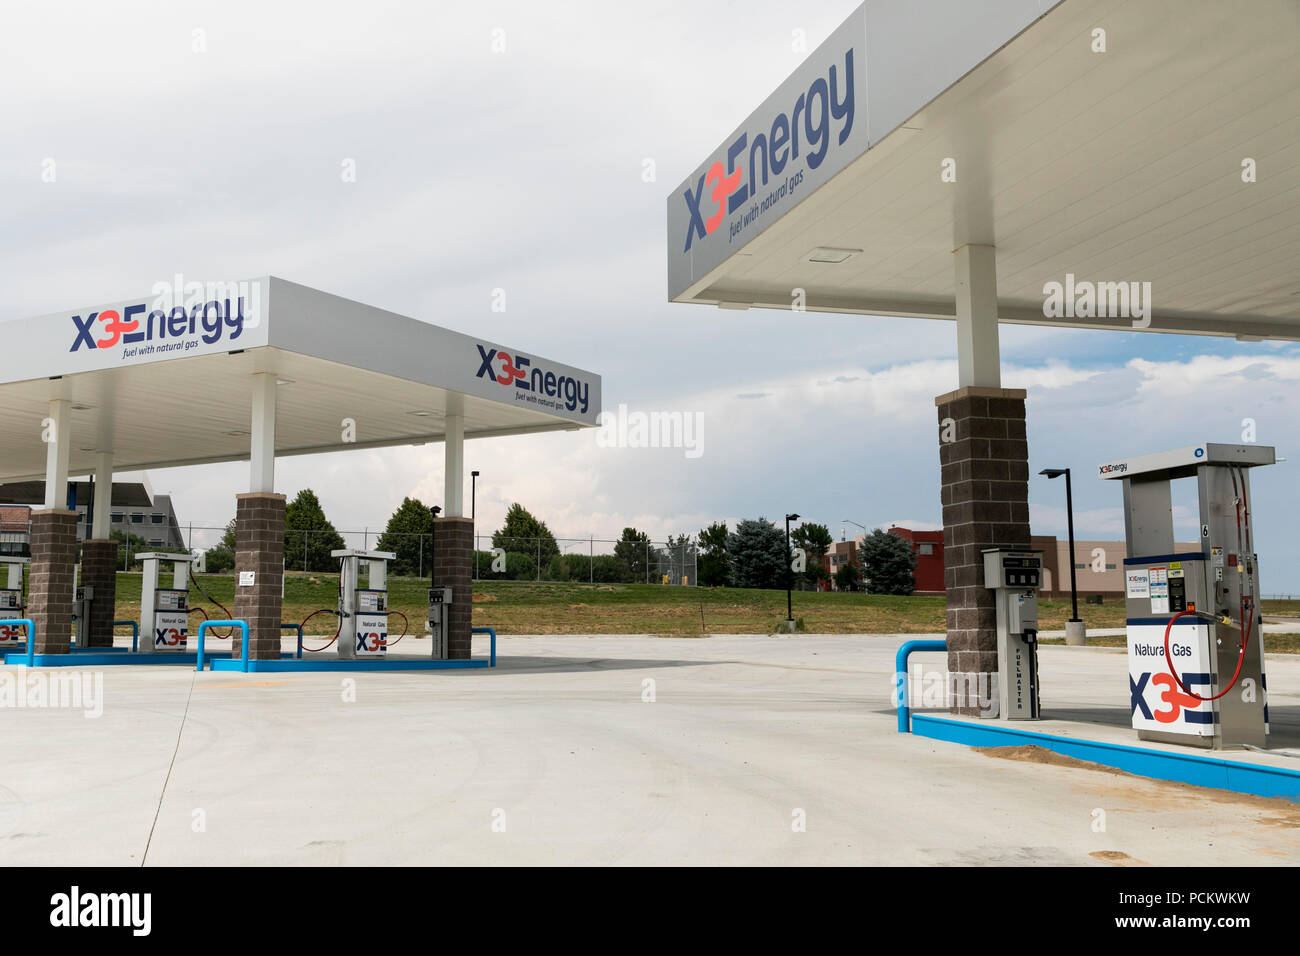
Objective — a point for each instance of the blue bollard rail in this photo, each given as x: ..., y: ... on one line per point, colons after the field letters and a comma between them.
x: 31, y: 637
x: 135, y: 632
x: 203, y: 633
x: 900, y: 678
x: 492, y: 655
x: 298, y: 628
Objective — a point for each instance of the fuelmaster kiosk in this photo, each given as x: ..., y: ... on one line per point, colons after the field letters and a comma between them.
x: 11, y: 602
x: 1195, y: 649
x: 1014, y: 577
x: 164, y: 612
x: 363, y: 611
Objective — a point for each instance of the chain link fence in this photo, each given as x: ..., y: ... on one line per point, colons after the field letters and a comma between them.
x: 496, y: 557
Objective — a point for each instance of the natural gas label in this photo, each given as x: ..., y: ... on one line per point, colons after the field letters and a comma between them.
x: 1155, y: 699
x: 372, y: 634
x: 170, y: 629
x: 11, y: 633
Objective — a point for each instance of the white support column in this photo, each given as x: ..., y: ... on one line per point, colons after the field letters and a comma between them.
x: 261, y: 463
x: 58, y: 451
x: 453, y: 498
x: 103, y: 522
x: 978, y: 362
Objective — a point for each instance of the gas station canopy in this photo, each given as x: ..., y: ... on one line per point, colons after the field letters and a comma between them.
x: 1105, y: 140
x: 160, y: 384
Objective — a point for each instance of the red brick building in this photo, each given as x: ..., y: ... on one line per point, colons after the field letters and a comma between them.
x: 927, y: 546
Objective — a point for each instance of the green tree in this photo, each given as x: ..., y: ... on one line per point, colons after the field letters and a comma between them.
x: 887, y: 563
x: 407, y: 535
x: 308, y: 535
x: 758, y: 555
x: 633, y: 553
x: 521, y: 534
x: 815, y: 540
x: 847, y: 577
x: 129, y: 544
x: 715, y: 564
x: 220, y: 558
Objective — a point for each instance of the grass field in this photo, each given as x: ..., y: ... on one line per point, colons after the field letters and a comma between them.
x: 552, y: 608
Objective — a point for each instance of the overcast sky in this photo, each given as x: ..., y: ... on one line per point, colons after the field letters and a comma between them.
x: 522, y: 170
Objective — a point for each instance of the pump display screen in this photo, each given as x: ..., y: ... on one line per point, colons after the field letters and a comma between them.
x: 371, y: 601
x: 10, y: 600
x: 1021, y: 572
x: 170, y: 600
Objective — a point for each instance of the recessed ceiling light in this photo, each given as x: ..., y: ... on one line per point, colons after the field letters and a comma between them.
x: 284, y: 381
x: 82, y: 408
x: 830, y: 254
x: 237, y: 433
x: 420, y: 413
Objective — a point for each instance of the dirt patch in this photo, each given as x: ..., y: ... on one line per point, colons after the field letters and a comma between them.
x: 1163, y: 794
x: 480, y: 598
x: 1117, y: 857
x: 1033, y: 754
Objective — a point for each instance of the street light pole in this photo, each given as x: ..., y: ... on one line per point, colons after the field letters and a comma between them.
x: 789, y: 576
x: 1075, y: 632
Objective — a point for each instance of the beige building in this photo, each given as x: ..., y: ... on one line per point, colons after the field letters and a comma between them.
x: 1098, y: 565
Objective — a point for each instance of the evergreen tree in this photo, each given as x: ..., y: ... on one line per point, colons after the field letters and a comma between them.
x: 521, y: 533
x: 407, y: 535
x: 305, y: 526
x: 758, y: 555
x: 887, y: 563
x: 633, y: 554
x: 715, y: 564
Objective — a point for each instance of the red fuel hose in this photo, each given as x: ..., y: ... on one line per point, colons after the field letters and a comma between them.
x: 406, y: 625
x: 1241, y: 657
x: 332, y: 639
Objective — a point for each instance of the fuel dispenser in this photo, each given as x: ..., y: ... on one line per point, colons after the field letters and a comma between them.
x: 1195, y: 648
x: 164, y: 612
x: 439, y: 609
x: 1014, y: 576
x: 11, y: 602
x: 363, y: 611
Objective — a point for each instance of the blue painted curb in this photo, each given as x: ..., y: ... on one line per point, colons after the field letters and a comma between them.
x: 1201, y: 771
x: 285, y: 664
x: 97, y: 657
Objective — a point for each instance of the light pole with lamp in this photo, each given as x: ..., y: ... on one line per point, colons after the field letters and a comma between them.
x: 789, y: 576
x: 1075, y: 631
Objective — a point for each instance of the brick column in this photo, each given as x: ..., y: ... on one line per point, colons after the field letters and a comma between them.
x: 985, y: 495
x: 259, y: 547
x: 50, y: 585
x: 99, y: 571
x: 453, y: 553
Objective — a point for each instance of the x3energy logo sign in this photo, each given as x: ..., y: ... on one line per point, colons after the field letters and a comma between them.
x: 802, y: 133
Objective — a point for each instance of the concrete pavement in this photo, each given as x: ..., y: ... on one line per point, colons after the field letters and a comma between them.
x: 595, y: 750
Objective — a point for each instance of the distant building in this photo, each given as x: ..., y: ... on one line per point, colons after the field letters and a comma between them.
x: 927, y: 546
x: 1098, y: 565
x: 15, y: 525
x: 136, y: 510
